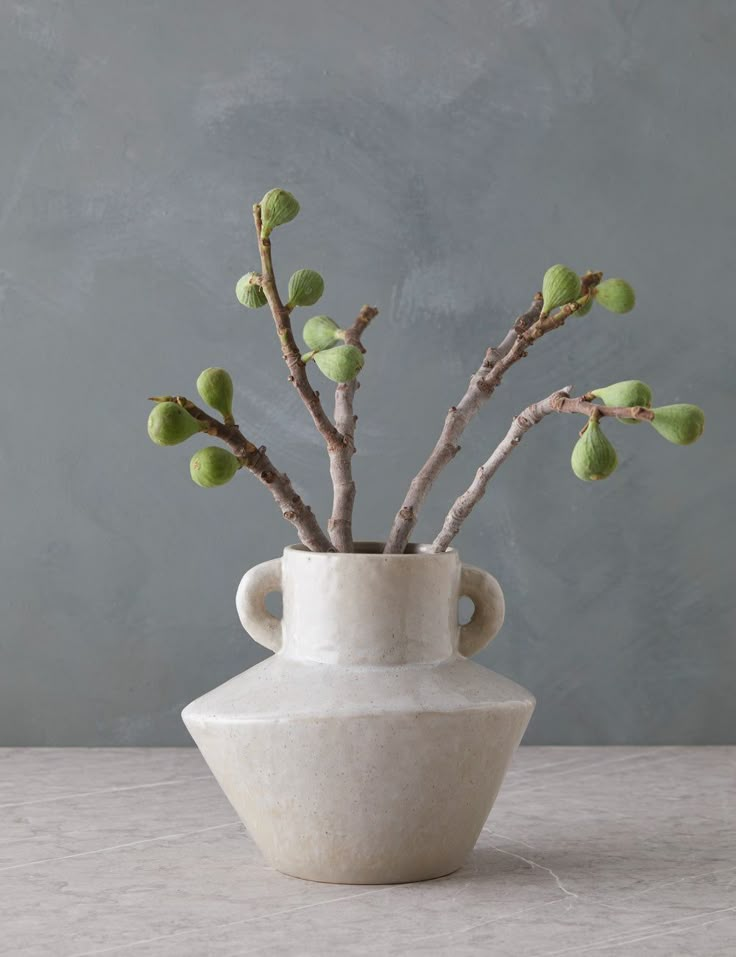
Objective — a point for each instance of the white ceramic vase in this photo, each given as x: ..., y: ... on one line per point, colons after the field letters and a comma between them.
x: 368, y: 749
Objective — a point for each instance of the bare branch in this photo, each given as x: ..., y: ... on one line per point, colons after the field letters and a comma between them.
x: 559, y: 401
x: 456, y: 420
x: 341, y: 521
x: 254, y: 458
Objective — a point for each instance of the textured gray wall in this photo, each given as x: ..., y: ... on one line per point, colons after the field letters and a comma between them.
x: 445, y: 155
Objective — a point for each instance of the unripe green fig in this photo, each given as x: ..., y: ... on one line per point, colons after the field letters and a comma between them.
x: 629, y: 392
x: 682, y: 424
x: 216, y: 388
x: 321, y: 332
x: 616, y: 295
x: 277, y: 207
x: 593, y: 457
x: 249, y: 294
x: 169, y: 424
x: 559, y: 286
x: 341, y: 363
x: 305, y: 287
x: 213, y: 466
x: 585, y: 309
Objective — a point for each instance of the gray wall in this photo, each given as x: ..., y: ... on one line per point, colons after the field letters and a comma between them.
x: 445, y: 155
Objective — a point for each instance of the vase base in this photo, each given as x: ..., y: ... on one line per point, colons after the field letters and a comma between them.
x: 364, y: 882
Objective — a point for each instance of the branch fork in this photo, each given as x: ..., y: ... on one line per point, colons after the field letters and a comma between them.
x: 525, y: 331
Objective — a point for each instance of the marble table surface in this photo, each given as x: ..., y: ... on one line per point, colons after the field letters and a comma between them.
x: 605, y: 851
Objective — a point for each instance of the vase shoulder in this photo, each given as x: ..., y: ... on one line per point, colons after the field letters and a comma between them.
x: 281, y: 686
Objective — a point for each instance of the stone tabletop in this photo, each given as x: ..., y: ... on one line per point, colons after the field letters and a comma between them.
x: 605, y: 851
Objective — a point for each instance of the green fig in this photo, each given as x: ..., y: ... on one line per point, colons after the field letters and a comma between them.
x: 248, y: 293
x: 216, y: 388
x: 213, y: 466
x: 169, y: 424
x: 559, y: 286
x: 305, y: 288
x: 593, y: 457
x: 629, y: 392
x: 682, y: 424
x: 341, y: 363
x: 321, y: 332
x: 584, y: 309
x: 616, y: 295
x: 277, y: 207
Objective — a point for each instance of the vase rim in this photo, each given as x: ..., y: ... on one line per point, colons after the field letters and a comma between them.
x: 373, y: 549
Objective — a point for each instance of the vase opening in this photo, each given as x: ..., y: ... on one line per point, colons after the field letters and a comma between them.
x: 376, y: 548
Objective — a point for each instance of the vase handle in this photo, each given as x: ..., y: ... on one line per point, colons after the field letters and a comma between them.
x: 485, y: 593
x: 260, y: 624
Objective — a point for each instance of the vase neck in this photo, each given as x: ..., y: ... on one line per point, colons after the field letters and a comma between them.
x: 366, y: 608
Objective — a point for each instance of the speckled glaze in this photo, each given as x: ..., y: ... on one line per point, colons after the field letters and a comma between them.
x: 367, y: 749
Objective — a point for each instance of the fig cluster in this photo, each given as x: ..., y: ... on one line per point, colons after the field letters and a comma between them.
x: 562, y: 285
x: 171, y: 423
x: 594, y: 456
x: 340, y: 363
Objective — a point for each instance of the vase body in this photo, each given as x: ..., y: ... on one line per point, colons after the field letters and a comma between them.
x: 368, y: 749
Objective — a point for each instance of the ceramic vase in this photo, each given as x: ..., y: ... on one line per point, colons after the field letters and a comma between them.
x: 368, y: 749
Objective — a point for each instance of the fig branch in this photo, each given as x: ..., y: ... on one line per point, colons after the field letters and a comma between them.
x: 559, y: 401
x: 341, y: 363
x: 340, y: 525
x: 255, y: 460
x: 530, y: 326
x: 290, y: 351
x: 339, y: 354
